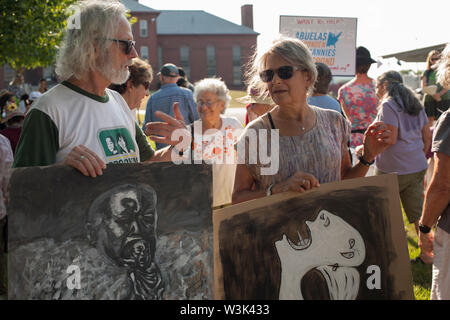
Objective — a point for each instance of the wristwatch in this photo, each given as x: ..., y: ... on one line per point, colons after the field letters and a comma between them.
x: 269, y: 190
x: 424, y: 229
x: 365, y: 162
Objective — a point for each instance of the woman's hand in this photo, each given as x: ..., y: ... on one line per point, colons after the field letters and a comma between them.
x: 171, y: 128
x: 86, y: 161
x: 299, y: 182
x: 377, y: 138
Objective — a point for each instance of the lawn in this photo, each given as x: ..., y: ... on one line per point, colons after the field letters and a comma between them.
x: 421, y: 272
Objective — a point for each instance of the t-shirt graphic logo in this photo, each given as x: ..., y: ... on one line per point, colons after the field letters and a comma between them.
x: 118, y: 146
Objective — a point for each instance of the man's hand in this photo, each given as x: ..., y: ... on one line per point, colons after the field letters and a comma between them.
x: 86, y: 161
x: 426, y: 242
x: 164, y: 132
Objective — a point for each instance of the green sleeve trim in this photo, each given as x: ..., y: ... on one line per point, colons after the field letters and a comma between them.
x: 145, y: 150
x: 38, y: 141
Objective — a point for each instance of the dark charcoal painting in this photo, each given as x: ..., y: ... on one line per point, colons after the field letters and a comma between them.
x: 140, y: 231
x: 321, y: 245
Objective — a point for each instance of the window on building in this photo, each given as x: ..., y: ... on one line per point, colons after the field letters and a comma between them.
x: 237, y: 65
x: 160, y: 58
x: 143, y: 28
x: 144, y: 53
x: 184, y: 60
x: 210, y: 61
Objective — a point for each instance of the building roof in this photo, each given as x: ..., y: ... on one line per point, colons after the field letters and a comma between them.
x: 189, y: 22
x: 135, y: 6
x: 416, y: 55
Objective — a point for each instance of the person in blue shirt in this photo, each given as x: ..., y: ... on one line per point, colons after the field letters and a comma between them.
x: 164, y: 98
x: 320, y: 98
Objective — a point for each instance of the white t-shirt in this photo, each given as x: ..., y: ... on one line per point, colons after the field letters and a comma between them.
x: 218, y: 149
x: 106, y: 127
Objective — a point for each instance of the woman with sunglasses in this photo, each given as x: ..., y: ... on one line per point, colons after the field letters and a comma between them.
x: 436, y: 99
x: 135, y: 89
x: 312, y: 140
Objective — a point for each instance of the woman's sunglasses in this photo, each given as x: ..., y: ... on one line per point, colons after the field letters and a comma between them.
x: 129, y: 44
x: 285, y: 72
x: 146, y: 85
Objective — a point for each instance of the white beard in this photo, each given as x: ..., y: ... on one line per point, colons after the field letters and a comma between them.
x: 116, y: 76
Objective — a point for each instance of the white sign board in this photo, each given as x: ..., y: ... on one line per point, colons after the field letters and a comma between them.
x: 331, y: 40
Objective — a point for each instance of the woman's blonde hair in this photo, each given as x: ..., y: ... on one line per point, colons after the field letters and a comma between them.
x: 97, y: 22
x: 430, y: 55
x: 294, y: 51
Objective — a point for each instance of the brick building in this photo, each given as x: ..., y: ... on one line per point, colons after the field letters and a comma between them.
x: 203, y: 44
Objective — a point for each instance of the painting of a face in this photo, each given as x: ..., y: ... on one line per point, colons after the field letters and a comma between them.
x: 331, y: 241
x: 130, y: 227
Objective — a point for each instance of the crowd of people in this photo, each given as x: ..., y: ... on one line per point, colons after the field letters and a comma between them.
x: 103, y: 82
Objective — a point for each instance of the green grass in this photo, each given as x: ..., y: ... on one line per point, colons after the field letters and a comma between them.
x: 421, y: 272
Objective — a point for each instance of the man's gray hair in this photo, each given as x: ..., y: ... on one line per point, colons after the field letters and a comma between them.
x: 214, y: 85
x: 98, y: 21
x: 294, y: 51
x: 443, y: 71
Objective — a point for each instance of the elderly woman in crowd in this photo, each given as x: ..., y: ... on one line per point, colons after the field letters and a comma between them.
x: 402, y: 111
x: 135, y: 89
x: 312, y: 141
x: 215, y: 135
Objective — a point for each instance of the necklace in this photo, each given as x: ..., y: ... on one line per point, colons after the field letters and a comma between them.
x: 303, y: 128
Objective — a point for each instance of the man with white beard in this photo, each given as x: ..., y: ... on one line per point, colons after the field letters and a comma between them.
x: 70, y: 123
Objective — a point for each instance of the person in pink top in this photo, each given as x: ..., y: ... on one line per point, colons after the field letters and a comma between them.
x: 358, y: 97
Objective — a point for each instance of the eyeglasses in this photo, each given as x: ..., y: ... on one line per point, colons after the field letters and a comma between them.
x: 206, y: 103
x: 434, y: 59
x: 146, y: 85
x: 129, y: 44
x: 285, y: 72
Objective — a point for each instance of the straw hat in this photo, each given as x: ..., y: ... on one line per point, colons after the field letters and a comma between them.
x: 253, y: 96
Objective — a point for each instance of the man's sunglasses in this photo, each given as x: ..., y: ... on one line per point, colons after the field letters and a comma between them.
x: 129, y: 44
x: 285, y: 72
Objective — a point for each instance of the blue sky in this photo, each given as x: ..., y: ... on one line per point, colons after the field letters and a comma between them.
x: 384, y: 26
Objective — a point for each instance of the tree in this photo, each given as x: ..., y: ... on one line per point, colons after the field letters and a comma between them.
x: 30, y: 32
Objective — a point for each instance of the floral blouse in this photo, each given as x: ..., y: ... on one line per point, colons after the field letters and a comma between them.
x: 360, y: 101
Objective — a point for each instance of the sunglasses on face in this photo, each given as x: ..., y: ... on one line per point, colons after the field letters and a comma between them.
x: 285, y: 72
x: 146, y: 85
x: 434, y: 59
x: 129, y: 44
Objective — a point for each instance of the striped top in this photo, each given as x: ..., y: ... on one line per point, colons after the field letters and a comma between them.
x: 318, y: 151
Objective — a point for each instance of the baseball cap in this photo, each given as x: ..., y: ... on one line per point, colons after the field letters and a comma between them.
x: 169, y: 70
x: 363, y: 56
x: 34, y: 95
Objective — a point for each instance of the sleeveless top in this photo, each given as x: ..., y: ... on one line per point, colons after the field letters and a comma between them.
x: 318, y: 151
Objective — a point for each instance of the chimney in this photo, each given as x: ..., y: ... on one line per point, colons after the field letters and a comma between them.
x: 247, y: 15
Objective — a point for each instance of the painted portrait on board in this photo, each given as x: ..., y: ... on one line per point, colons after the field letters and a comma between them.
x: 342, y: 241
x: 132, y: 234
